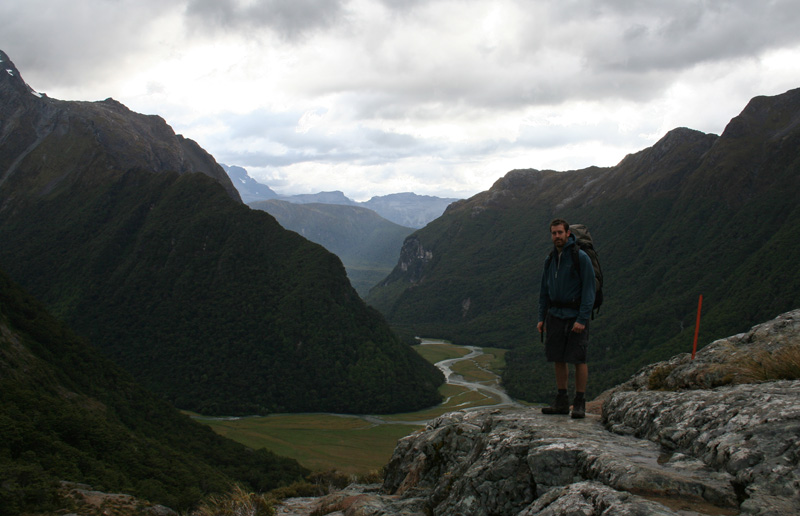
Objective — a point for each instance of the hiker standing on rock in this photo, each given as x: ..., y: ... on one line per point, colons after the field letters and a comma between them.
x: 566, y: 299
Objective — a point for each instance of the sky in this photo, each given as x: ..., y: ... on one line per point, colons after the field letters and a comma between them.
x: 436, y: 97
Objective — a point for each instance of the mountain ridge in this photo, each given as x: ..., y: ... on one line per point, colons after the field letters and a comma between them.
x: 137, y: 238
x: 693, y: 214
x: 405, y: 208
x: 107, y: 124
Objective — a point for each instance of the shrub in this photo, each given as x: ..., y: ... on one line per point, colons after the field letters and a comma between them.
x: 238, y: 502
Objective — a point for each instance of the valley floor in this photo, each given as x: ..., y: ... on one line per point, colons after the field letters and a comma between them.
x: 361, y: 444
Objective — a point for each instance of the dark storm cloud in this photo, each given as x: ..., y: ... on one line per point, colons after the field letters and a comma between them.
x: 562, y: 51
x: 636, y: 49
x: 655, y: 35
x: 291, y: 19
x: 402, y: 5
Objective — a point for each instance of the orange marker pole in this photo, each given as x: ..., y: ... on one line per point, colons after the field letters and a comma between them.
x: 697, y: 326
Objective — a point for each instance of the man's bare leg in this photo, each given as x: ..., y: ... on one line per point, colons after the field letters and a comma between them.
x: 581, y: 377
x: 562, y: 375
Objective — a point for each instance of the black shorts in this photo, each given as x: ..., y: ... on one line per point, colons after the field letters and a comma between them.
x: 562, y: 344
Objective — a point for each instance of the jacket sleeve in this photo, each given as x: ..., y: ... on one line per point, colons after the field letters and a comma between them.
x: 543, y: 294
x: 587, y: 288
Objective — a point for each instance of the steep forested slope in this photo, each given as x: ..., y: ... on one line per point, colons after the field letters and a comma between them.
x: 136, y: 238
x: 68, y: 414
x: 695, y: 214
x: 366, y: 243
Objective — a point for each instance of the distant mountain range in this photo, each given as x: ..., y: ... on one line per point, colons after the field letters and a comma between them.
x: 405, y: 209
x: 137, y: 238
x: 694, y: 214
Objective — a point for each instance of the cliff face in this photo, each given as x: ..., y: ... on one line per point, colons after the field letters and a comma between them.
x: 734, y: 449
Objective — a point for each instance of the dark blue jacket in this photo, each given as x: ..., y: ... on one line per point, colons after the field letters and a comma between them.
x: 561, y: 286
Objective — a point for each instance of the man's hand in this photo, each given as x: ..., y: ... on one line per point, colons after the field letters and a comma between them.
x: 540, y: 326
x: 578, y: 327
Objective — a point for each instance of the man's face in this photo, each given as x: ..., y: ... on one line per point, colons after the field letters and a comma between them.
x: 559, y: 235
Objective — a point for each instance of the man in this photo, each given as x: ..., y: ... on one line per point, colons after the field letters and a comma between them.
x: 565, y: 307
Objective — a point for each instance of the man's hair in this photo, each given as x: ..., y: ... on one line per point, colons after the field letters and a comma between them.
x: 560, y: 222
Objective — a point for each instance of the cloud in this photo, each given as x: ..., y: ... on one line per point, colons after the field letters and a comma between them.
x: 682, y: 34
x: 282, y: 139
x: 440, y: 95
x: 74, y: 43
x: 290, y: 19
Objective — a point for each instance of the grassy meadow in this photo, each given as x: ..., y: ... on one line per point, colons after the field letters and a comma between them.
x: 357, y: 445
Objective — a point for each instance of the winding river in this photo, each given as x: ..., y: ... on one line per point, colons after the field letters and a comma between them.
x: 492, y: 389
x: 488, y: 389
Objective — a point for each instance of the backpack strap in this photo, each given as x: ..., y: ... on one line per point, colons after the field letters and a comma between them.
x: 576, y: 259
x: 576, y: 263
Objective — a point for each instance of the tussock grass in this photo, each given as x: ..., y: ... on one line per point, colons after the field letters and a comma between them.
x: 729, y: 365
x: 322, y: 483
x: 237, y: 502
x: 240, y: 502
x: 657, y: 379
x: 762, y: 366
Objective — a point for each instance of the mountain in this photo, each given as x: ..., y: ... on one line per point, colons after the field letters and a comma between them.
x: 334, y: 197
x: 405, y: 209
x: 696, y: 214
x: 108, y: 125
x: 409, y: 209
x: 249, y: 189
x: 105, y: 218
x: 68, y: 414
x: 366, y: 243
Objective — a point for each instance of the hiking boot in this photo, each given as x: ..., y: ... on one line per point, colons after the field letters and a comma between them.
x: 561, y: 405
x: 579, y: 408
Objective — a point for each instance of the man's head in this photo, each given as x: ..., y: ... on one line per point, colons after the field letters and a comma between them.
x: 559, y: 232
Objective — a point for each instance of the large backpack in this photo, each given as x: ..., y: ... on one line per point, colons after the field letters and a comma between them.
x: 584, y: 242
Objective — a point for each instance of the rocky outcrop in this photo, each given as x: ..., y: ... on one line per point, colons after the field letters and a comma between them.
x: 742, y: 358
x: 413, y: 259
x: 751, y: 433
x: 521, y: 462
x: 732, y: 449
x: 711, y: 411
x: 90, y: 502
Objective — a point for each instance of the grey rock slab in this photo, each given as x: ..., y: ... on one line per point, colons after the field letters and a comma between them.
x: 750, y: 431
x: 501, y: 461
